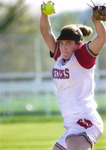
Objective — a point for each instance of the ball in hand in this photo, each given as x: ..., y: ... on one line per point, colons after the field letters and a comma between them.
x: 48, y: 8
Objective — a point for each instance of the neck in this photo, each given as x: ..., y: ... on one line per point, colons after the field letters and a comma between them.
x: 64, y: 60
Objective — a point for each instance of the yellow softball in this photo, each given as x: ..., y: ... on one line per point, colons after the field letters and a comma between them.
x: 48, y: 8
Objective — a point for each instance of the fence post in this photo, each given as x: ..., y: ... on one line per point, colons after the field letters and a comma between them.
x: 38, y: 67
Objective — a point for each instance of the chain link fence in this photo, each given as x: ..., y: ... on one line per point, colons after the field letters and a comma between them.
x: 26, y: 84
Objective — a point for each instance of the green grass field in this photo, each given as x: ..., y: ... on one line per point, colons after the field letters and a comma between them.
x: 36, y: 132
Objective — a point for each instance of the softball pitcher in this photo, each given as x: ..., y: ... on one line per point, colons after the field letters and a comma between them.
x: 73, y: 74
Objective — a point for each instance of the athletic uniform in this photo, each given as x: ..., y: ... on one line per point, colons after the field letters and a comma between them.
x: 74, y: 80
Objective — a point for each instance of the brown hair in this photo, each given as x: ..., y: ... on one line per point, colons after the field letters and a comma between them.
x: 75, y: 32
x: 86, y: 31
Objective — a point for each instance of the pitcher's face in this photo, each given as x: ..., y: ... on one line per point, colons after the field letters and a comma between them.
x: 67, y: 48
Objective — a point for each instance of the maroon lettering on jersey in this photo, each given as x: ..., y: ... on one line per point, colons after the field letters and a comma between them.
x: 84, y: 123
x: 60, y: 74
x: 67, y: 73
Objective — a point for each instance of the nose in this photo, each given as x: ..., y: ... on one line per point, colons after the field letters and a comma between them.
x: 64, y: 47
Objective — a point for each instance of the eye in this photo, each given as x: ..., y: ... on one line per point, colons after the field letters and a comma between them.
x: 69, y: 43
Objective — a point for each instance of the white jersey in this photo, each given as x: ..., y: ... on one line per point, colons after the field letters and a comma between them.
x: 75, y: 93
x: 75, y: 84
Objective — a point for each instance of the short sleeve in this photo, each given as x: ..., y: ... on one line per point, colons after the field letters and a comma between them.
x: 85, y: 57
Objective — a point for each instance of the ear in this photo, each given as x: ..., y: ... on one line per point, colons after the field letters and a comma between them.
x: 78, y: 45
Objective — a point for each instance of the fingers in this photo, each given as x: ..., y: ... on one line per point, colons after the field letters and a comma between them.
x: 42, y: 5
x: 103, y: 18
x: 51, y: 2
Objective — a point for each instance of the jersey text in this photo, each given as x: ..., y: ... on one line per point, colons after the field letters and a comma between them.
x: 60, y: 74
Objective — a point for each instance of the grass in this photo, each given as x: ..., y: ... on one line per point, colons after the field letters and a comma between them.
x: 30, y: 136
x: 36, y: 133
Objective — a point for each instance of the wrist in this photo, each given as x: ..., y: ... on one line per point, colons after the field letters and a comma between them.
x: 43, y: 15
x: 93, y: 18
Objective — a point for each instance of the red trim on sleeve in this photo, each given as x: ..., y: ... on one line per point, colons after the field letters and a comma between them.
x: 85, y: 57
x: 57, y: 51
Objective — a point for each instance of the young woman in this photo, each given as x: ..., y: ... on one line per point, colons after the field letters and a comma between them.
x: 73, y: 74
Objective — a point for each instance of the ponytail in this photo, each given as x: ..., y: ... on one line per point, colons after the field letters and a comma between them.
x: 86, y: 31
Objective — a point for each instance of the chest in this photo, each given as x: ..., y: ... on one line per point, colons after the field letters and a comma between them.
x: 71, y: 74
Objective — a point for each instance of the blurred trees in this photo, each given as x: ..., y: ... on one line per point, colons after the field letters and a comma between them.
x: 15, y: 18
x: 10, y: 13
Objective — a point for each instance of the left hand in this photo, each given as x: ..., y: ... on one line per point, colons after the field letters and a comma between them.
x: 99, y: 13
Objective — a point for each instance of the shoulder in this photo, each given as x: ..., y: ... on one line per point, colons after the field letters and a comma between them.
x: 85, y: 57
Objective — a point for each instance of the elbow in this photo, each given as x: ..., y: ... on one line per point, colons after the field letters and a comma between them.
x: 103, y: 40
x: 103, y: 37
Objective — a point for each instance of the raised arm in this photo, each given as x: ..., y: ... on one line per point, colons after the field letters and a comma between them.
x: 46, y: 31
x: 96, y: 45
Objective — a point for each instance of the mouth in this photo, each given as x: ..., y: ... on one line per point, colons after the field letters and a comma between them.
x: 65, y: 53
